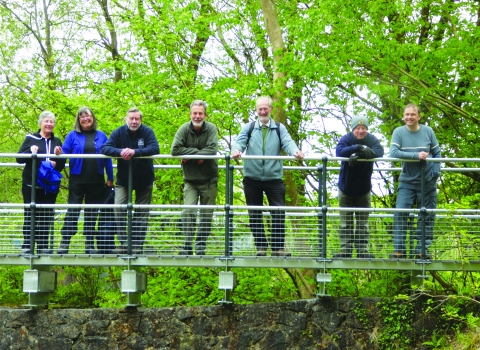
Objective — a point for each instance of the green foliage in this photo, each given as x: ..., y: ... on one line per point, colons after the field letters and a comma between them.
x: 459, y: 316
x: 397, y: 315
x: 11, y: 286
x: 368, y: 283
x: 82, y: 287
x: 175, y: 286
x: 361, y: 312
x: 263, y: 285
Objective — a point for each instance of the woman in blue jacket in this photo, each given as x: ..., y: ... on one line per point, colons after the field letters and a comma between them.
x: 87, y: 178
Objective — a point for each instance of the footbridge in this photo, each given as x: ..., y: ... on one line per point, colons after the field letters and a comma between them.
x: 311, y: 230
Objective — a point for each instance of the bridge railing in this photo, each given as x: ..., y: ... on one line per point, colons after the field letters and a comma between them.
x: 311, y: 232
x: 456, y: 237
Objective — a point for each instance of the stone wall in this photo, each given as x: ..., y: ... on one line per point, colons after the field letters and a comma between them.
x: 326, y: 323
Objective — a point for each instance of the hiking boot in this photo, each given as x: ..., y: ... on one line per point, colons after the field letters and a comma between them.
x: 121, y: 249
x: 365, y: 256
x: 397, y: 255
x: 426, y: 257
x: 185, y: 252
x: 281, y: 253
x: 342, y: 255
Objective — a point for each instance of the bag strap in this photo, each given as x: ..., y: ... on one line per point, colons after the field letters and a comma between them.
x: 252, y: 126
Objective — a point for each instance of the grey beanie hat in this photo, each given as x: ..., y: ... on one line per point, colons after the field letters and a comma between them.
x: 356, y: 121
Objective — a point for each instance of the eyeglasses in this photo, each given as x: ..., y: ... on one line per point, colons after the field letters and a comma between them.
x: 83, y: 117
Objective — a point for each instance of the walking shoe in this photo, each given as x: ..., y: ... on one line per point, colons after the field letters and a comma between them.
x: 121, y: 249
x: 342, y: 255
x: 281, y: 252
x: 62, y: 251
x: 426, y: 257
x: 26, y: 251
x: 44, y: 251
x: 397, y: 255
x: 91, y: 251
x: 200, y: 252
x: 185, y: 252
x: 262, y: 253
x: 365, y: 256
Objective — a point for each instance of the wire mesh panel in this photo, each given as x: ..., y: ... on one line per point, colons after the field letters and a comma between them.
x: 303, y: 233
x: 455, y: 236
x: 11, y: 230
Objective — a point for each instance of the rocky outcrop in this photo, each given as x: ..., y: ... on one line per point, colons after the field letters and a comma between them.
x: 326, y: 323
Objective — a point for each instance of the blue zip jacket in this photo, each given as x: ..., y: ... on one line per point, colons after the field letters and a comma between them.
x: 75, y: 144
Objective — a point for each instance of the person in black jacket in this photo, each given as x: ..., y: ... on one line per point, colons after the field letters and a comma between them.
x: 197, y: 137
x: 41, y: 142
x: 355, y: 185
x: 129, y: 142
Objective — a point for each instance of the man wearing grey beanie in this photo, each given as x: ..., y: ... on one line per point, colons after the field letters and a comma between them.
x: 355, y: 185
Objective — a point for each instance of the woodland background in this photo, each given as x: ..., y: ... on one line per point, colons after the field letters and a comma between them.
x: 321, y: 61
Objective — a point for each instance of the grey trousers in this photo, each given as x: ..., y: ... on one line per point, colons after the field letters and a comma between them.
x: 140, y: 216
x: 354, y: 234
x: 203, y: 193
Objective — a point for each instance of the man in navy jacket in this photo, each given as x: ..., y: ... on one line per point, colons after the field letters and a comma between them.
x: 355, y: 185
x: 129, y: 142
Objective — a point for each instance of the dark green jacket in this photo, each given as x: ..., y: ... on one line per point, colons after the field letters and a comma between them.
x: 187, y: 141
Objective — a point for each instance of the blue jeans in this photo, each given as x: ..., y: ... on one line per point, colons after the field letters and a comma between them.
x: 193, y: 192
x: 275, y: 192
x: 405, y: 199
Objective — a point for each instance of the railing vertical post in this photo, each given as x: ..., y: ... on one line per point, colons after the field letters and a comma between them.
x: 319, y: 213
x: 227, y: 279
x: 129, y: 207
x: 322, y: 203
x: 324, y: 206
x: 33, y: 205
x: 228, y: 203
x: 423, y: 210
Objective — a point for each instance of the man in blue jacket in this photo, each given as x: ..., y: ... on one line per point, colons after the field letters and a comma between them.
x: 265, y: 175
x: 355, y: 185
x: 129, y: 142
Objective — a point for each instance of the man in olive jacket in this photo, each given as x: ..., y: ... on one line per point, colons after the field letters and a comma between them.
x: 197, y: 137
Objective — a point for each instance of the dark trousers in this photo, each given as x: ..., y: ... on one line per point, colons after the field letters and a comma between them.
x: 43, y: 217
x: 275, y: 192
x: 77, y: 193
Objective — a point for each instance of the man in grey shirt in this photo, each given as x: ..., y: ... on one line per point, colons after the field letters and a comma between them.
x: 414, y: 141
